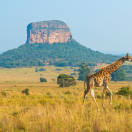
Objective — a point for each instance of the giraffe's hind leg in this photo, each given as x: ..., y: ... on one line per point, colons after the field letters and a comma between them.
x: 110, y: 94
x: 86, y: 90
x: 85, y: 93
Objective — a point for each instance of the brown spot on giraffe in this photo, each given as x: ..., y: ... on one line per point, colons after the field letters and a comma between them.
x: 102, y: 78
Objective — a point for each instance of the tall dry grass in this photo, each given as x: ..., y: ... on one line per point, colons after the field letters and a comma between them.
x: 49, y: 108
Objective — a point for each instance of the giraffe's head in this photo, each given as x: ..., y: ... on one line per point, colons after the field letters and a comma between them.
x: 127, y: 58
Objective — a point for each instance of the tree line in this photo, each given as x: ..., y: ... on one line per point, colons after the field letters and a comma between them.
x: 84, y: 70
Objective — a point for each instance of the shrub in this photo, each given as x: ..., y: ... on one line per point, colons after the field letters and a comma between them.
x: 25, y: 91
x: 39, y: 69
x: 67, y: 92
x: 125, y: 91
x: 65, y: 80
x: 43, y: 79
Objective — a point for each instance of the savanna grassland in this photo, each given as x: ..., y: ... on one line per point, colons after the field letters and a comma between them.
x: 49, y: 108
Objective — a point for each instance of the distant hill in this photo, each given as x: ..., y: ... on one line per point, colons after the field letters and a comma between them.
x: 60, y: 54
x: 51, y: 43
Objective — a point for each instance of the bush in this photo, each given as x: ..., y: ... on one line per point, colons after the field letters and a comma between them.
x: 125, y: 91
x: 43, y: 79
x: 65, y: 80
x: 39, y: 70
x: 25, y: 91
x: 67, y: 92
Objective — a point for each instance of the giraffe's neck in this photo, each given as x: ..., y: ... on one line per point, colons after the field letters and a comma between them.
x: 114, y: 66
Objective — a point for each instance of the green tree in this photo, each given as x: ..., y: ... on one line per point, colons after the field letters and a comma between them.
x: 84, y: 70
x: 65, y: 80
x: 118, y: 75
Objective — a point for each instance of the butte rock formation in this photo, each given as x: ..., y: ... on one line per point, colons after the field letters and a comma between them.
x: 53, y: 31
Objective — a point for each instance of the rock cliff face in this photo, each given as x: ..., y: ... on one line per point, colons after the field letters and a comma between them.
x: 53, y: 31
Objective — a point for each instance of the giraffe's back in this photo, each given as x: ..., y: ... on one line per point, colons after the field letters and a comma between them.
x: 100, y: 78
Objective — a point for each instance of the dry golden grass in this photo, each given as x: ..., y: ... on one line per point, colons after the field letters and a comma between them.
x: 29, y: 74
x: 49, y: 108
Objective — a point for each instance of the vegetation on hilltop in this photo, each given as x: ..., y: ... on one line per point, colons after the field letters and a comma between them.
x: 59, y: 54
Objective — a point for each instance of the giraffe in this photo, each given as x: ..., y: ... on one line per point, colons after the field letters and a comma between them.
x: 102, y: 78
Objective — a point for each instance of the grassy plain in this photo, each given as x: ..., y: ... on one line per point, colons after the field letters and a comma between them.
x: 49, y: 108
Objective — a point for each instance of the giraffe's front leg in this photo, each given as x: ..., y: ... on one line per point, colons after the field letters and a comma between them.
x: 110, y: 94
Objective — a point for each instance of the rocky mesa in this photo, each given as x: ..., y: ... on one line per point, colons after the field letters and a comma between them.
x: 53, y: 31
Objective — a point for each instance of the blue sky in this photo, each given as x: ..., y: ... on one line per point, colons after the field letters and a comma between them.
x: 103, y: 25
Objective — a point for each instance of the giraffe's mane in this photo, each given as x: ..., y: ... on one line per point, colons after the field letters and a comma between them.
x: 114, y: 63
x: 104, y: 69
